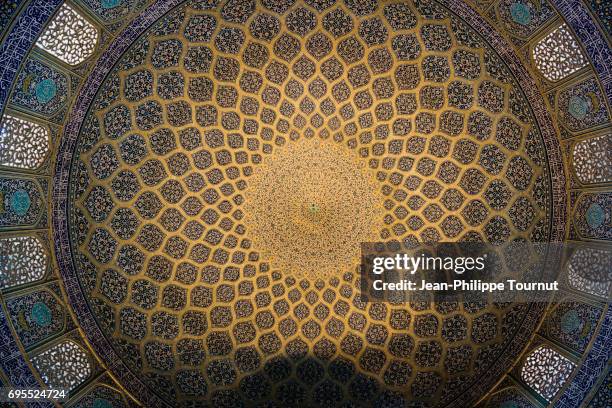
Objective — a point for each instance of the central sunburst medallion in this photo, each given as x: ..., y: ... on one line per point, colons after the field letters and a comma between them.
x: 309, y: 205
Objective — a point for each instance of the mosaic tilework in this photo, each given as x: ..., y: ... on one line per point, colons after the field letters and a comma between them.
x: 12, y: 361
x: 597, y: 49
x: 603, y: 11
x: 582, y: 106
x: 608, y: 93
x: 522, y: 18
x: 509, y: 397
x: 592, y: 367
x: 572, y: 324
x: 528, y: 86
x: 334, y: 206
x: 517, y: 347
x: 603, y: 396
x: 8, y: 9
x: 19, y: 41
x: 60, y: 188
x: 110, y: 10
x: 22, y: 201
x: 40, y: 88
x: 593, y: 216
x: 36, y: 316
x: 101, y: 396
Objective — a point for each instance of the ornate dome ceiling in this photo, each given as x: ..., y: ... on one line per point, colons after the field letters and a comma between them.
x: 235, y: 159
x: 221, y: 163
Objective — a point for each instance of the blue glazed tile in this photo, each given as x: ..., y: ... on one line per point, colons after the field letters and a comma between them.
x: 591, y: 369
x: 579, y: 19
x: 11, y: 360
x: 8, y: 9
x: 19, y: 41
